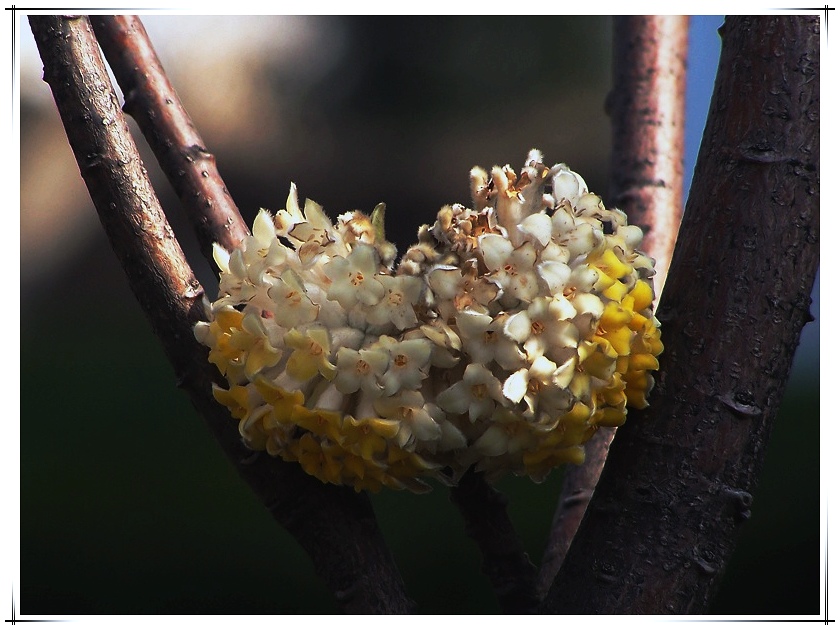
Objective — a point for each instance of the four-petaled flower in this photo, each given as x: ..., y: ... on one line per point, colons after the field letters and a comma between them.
x: 397, y: 305
x: 476, y: 394
x: 512, y: 268
x: 546, y: 328
x: 310, y: 355
x: 354, y: 278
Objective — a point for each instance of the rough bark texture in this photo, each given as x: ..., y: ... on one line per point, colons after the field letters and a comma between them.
x: 505, y: 562
x: 647, y: 109
x: 334, y: 525
x: 151, y: 100
x: 679, y: 480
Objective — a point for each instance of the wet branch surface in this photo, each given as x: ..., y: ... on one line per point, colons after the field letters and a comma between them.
x: 678, y: 483
x: 334, y: 525
x: 647, y: 109
x: 152, y: 101
x: 504, y: 561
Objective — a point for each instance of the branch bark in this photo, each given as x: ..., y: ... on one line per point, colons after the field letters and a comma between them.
x: 334, y: 525
x: 152, y: 101
x: 505, y: 562
x: 647, y: 109
x: 677, y: 485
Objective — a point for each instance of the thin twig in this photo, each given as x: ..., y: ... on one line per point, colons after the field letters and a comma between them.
x: 678, y: 483
x: 334, y: 525
x: 511, y: 573
x: 151, y: 100
x: 647, y: 108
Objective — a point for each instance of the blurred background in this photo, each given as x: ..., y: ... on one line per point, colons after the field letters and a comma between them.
x: 127, y: 505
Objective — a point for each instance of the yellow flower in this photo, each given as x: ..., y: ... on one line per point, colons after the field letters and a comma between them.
x: 311, y: 352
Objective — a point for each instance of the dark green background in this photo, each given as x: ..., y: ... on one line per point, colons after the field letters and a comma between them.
x: 127, y: 505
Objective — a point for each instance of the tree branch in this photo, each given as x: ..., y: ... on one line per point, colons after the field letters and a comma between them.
x: 578, y: 485
x: 151, y: 100
x: 677, y: 485
x: 334, y: 525
x: 647, y: 109
x: 505, y: 562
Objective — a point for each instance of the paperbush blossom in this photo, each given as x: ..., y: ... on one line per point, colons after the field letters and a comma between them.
x: 504, y: 339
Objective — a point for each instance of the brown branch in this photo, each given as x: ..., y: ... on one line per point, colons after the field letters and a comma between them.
x: 678, y: 483
x: 647, y: 108
x: 151, y: 100
x: 578, y: 485
x: 334, y: 525
x: 511, y: 573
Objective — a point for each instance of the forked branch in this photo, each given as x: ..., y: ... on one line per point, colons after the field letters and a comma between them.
x: 504, y: 561
x: 678, y: 482
x: 334, y: 525
x: 152, y: 101
x: 647, y: 109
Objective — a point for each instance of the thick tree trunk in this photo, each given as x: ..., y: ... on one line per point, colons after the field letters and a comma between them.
x: 679, y: 479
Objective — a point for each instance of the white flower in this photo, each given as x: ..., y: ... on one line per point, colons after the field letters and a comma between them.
x: 538, y: 227
x: 484, y: 341
x: 409, y: 409
x: 397, y: 305
x: 360, y: 369
x: 572, y: 237
x: 540, y: 386
x: 455, y: 291
x: 292, y: 306
x: 354, y: 278
x: 409, y: 363
x: 567, y: 185
x: 555, y: 274
x: 545, y: 328
x: 476, y: 394
x: 513, y: 269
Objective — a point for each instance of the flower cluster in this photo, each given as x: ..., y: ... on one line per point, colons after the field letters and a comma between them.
x: 502, y: 340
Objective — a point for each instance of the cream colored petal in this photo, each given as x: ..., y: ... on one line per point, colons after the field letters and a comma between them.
x: 495, y: 250
x: 455, y: 399
x: 555, y: 275
x: 516, y: 385
x: 493, y: 442
x: 264, y: 229
x: 221, y: 256
x: 567, y: 184
x: 518, y: 327
x: 537, y: 226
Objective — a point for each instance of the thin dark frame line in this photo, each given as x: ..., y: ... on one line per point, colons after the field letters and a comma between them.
x: 76, y: 9
x: 14, y: 64
x: 825, y: 9
x: 15, y: 620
